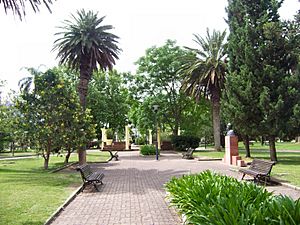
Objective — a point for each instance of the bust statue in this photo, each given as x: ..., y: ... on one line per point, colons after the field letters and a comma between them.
x: 229, y: 129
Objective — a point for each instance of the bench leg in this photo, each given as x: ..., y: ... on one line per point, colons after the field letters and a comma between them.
x: 96, y: 187
x: 116, y: 156
x: 243, y: 176
x: 111, y: 156
x: 83, y: 187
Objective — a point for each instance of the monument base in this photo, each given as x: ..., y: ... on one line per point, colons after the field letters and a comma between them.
x: 231, y: 152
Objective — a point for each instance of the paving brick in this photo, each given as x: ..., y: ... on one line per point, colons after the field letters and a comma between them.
x: 133, y: 191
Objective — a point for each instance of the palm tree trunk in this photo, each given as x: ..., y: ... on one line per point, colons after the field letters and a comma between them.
x: 272, y: 148
x: 85, y: 75
x: 215, y: 98
x: 82, y: 91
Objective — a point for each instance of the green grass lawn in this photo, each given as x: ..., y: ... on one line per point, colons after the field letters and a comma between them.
x: 9, y: 154
x: 281, y: 146
x: 287, y: 169
x: 29, y: 194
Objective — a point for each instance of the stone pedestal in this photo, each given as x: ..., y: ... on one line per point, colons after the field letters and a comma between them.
x: 231, y: 148
x: 241, y: 163
x: 231, y: 152
x: 234, y: 159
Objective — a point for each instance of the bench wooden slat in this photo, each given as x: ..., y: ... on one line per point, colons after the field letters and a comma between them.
x: 188, y: 154
x: 90, y: 177
x: 259, y: 169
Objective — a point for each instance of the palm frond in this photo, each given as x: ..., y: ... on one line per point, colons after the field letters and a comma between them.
x: 18, y: 6
x: 207, y: 68
x: 83, y: 38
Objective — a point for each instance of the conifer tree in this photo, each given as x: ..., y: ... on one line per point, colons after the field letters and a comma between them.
x: 261, y: 89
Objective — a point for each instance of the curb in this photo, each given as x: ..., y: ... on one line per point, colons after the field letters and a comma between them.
x: 209, y: 159
x: 63, y: 167
x: 63, y: 206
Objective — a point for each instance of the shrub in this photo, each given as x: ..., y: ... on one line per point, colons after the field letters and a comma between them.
x: 148, y: 150
x: 140, y: 140
x: 182, y: 143
x: 209, y: 198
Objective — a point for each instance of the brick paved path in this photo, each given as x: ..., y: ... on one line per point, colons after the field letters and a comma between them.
x: 133, y: 191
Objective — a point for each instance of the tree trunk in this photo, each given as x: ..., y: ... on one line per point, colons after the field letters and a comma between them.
x: 262, y: 141
x: 215, y: 98
x: 82, y: 91
x: 46, y: 162
x: 46, y: 158
x: 247, y: 145
x: 12, y: 148
x: 67, y: 156
x: 272, y: 147
x: 85, y: 76
x: 175, y: 131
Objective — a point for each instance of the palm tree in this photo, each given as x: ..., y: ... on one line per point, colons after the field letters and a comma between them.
x: 86, y: 45
x: 18, y: 6
x: 204, y: 74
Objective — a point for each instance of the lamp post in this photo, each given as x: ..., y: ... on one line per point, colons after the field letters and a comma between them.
x: 155, y: 110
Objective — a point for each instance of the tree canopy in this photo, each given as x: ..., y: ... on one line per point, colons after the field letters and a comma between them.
x: 108, y: 100
x: 157, y: 78
x: 86, y: 45
x: 51, y: 116
x: 204, y: 74
x: 262, y: 91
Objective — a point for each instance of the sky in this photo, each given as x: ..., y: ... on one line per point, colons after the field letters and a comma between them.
x: 140, y: 24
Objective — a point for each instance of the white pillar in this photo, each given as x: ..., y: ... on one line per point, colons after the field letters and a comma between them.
x: 127, y: 137
x: 178, y: 132
x: 158, y: 137
x: 104, y: 137
x: 150, y: 137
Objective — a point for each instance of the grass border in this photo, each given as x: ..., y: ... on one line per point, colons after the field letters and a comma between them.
x: 63, y: 206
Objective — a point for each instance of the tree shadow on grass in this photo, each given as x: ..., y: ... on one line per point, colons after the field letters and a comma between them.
x: 284, y: 158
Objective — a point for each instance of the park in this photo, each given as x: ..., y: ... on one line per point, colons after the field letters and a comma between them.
x: 203, y: 134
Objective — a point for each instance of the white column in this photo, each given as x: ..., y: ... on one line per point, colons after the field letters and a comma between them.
x: 150, y: 137
x: 178, y: 132
x: 127, y: 137
x: 104, y: 137
x: 158, y: 138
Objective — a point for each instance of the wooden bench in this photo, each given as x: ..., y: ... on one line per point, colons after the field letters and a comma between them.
x: 90, y: 177
x: 113, y: 155
x: 188, y: 154
x: 259, y: 169
x: 114, y: 148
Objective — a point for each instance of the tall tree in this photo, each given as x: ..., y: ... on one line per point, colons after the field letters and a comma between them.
x: 205, y: 74
x: 261, y: 89
x: 107, y: 100
x: 157, y: 76
x: 58, y: 120
x: 86, y: 45
x: 18, y: 6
